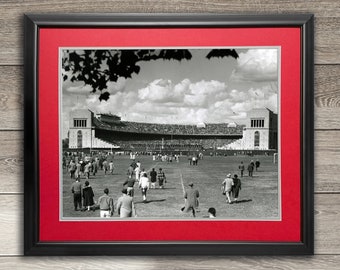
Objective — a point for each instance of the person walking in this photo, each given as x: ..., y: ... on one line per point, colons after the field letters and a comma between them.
x: 227, y: 186
x: 250, y: 169
x: 95, y: 167
x: 141, y: 173
x: 111, y: 167
x: 161, y: 178
x: 241, y: 168
x: 77, y: 172
x: 125, y: 205
x: 137, y: 173
x: 88, y: 196
x: 257, y: 164
x: 76, y: 190
x: 87, y: 169
x: 153, y: 178
x: 133, y: 164
x: 130, y: 171
x: 105, y: 166
x: 194, y: 160
x: 236, y: 187
x: 72, y: 169
x: 191, y: 199
x: 144, y: 185
x: 190, y: 159
x: 106, y: 205
x: 130, y: 182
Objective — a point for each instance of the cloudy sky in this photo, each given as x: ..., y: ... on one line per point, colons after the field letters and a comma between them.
x: 219, y: 90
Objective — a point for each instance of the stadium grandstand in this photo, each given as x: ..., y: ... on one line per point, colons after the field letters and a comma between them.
x: 106, y: 131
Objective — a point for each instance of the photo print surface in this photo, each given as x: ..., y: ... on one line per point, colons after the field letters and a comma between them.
x: 170, y: 133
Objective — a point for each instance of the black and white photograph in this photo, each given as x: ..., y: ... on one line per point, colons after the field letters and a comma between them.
x: 169, y: 133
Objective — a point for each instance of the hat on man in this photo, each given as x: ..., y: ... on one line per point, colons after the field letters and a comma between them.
x: 229, y: 175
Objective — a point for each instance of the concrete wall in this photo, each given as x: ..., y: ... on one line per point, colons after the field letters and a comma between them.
x: 266, y: 132
x: 86, y: 131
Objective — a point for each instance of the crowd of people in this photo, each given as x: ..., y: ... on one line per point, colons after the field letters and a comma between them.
x: 250, y: 168
x: 83, y: 196
x: 139, y: 127
x: 170, y: 144
x: 136, y: 176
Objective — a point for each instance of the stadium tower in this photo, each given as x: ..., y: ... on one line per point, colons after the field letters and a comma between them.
x: 82, y: 131
x: 260, y: 132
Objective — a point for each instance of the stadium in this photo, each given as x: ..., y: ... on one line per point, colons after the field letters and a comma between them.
x: 92, y: 132
x: 221, y: 148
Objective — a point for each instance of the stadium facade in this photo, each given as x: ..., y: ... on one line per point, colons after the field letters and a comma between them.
x: 260, y: 132
x: 105, y: 131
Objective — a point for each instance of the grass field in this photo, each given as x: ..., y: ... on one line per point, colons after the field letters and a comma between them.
x: 258, y: 197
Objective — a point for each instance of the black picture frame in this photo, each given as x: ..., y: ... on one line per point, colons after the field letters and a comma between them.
x: 34, y: 22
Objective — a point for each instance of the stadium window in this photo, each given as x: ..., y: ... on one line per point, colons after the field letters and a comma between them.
x: 257, y: 123
x: 79, y: 139
x: 79, y: 122
x: 256, y: 139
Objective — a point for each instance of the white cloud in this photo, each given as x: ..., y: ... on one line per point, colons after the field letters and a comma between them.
x: 237, y: 96
x: 159, y: 91
x: 256, y: 65
x: 117, y: 86
x: 186, y: 102
x: 163, y: 101
x: 79, y: 89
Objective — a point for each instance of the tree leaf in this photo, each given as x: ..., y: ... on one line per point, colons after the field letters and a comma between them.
x: 222, y: 53
x: 104, y: 96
